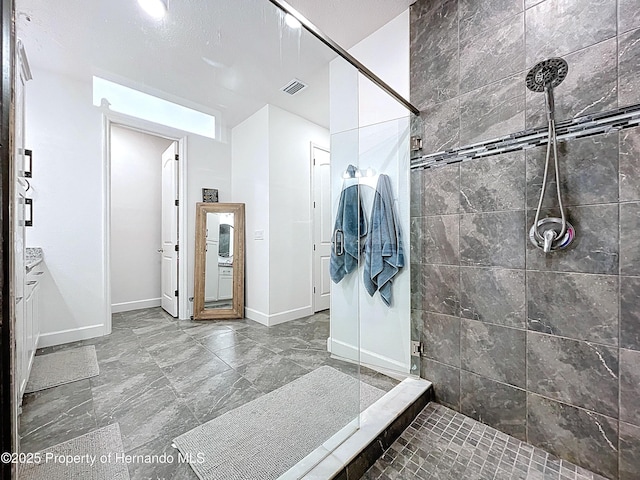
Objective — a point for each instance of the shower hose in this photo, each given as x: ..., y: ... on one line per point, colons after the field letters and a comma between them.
x: 551, y: 144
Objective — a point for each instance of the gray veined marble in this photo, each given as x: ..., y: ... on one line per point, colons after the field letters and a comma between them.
x: 415, y: 185
x: 580, y: 436
x: 439, y: 237
x: 630, y: 164
x: 493, y: 183
x: 629, y: 451
x: 628, y: 67
x: 630, y: 386
x: 493, y: 239
x: 441, y: 190
x: 434, y: 26
x: 583, y: 307
x: 495, y: 54
x: 415, y: 242
x: 629, y: 239
x: 55, y: 415
x: 595, y: 248
x: 493, y: 110
x: 218, y: 394
x: 417, y: 287
x: 446, y: 382
x: 588, y: 172
x: 435, y: 77
x: 476, y: 17
x: 493, y: 295
x: 244, y: 352
x: 441, y: 287
x: 174, y: 470
x: 441, y: 126
x: 558, y: 27
x: 630, y: 312
x: 441, y: 338
x: 270, y: 373
x: 493, y: 351
x: 575, y: 372
x: 496, y: 404
x: 628, y: 15
x: 590, y: 87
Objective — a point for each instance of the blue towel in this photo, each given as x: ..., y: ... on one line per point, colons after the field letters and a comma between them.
x: 383, y: 250
x: 350, y: 226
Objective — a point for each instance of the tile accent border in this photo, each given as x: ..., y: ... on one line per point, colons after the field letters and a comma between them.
x: 580, y: 127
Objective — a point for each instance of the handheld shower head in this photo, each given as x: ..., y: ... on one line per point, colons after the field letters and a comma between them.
x: 547, y: 74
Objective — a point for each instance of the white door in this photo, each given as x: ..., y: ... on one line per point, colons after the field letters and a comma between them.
x: 169, y: 271
x: 322, y: 228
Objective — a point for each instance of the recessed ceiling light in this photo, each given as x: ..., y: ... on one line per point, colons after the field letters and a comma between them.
x: 292, y: 21
x: 155, y: 8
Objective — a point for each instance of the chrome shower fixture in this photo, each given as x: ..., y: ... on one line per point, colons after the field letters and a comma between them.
x: 550, y: 234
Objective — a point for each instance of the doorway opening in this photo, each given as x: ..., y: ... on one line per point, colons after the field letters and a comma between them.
x: 144, y: 220
x: 322, y: 226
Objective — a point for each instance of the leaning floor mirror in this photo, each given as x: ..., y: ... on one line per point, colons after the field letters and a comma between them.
x: 219, y: 261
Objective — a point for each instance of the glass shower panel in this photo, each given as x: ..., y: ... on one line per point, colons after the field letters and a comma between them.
x: 385, y: 300
x: 230, y: 61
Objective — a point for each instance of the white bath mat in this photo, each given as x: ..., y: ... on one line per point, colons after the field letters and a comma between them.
x: 264, y: 438
x: 93, y: 456
x: 62, y: 367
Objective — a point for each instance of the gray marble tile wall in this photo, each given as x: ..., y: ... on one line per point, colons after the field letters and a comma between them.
x: 543, y: 347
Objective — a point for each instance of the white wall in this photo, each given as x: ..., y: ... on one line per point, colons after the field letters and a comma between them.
x: 362, y: 327
x: 65, y: 132
x: 290, y: 220
x: 271, y: 173
x: 250, y: 185
x: 136, y: 218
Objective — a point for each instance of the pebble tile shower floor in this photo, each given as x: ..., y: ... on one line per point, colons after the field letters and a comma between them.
x: 442, y: 444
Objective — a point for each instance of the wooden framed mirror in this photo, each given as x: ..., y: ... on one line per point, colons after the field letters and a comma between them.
x: 219, y: 261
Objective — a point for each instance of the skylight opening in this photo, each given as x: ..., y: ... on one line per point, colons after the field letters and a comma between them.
x: 141, y: 105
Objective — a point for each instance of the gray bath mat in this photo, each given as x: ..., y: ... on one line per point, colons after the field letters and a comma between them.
x: 264, y: 438
x: 62, y: 367
x: 98, y: 445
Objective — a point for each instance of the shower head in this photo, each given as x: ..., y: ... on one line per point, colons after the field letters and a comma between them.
x: 548, y: 73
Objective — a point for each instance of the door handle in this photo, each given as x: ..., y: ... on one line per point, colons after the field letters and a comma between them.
x: 338, y: 242
x: 160, y: 250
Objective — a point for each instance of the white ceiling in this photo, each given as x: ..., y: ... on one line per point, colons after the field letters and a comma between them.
x: 228, y: 57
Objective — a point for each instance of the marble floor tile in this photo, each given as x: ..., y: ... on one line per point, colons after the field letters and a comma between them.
x: 56, y: 415
x: 169, y: 470
x: 184, y: 375
x: 244, y: 352
x: 269, y: 373
x: 220, y: 340
x: 218, y: 394
x: 160, y: 377
x: 176, y: 348
x: 154, y: 413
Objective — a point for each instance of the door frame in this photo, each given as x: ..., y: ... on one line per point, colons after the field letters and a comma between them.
x: 313, y: 145
x: 8, y: 407
x: 110, y: 118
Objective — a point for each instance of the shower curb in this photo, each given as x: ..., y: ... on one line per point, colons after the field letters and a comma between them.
x: 380, y: 425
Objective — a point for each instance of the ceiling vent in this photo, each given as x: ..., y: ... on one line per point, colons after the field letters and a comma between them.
x: 294, y: 86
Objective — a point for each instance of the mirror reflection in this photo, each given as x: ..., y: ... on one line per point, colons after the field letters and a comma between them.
x: 219, y: 261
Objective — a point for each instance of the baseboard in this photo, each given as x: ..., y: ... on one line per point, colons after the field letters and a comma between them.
x: 137, y: 305
x: 277, y: 318
x: 67, y: 336
x: 370, y: 359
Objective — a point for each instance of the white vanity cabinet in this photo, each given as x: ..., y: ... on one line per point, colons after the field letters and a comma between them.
x: 225, y: 283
